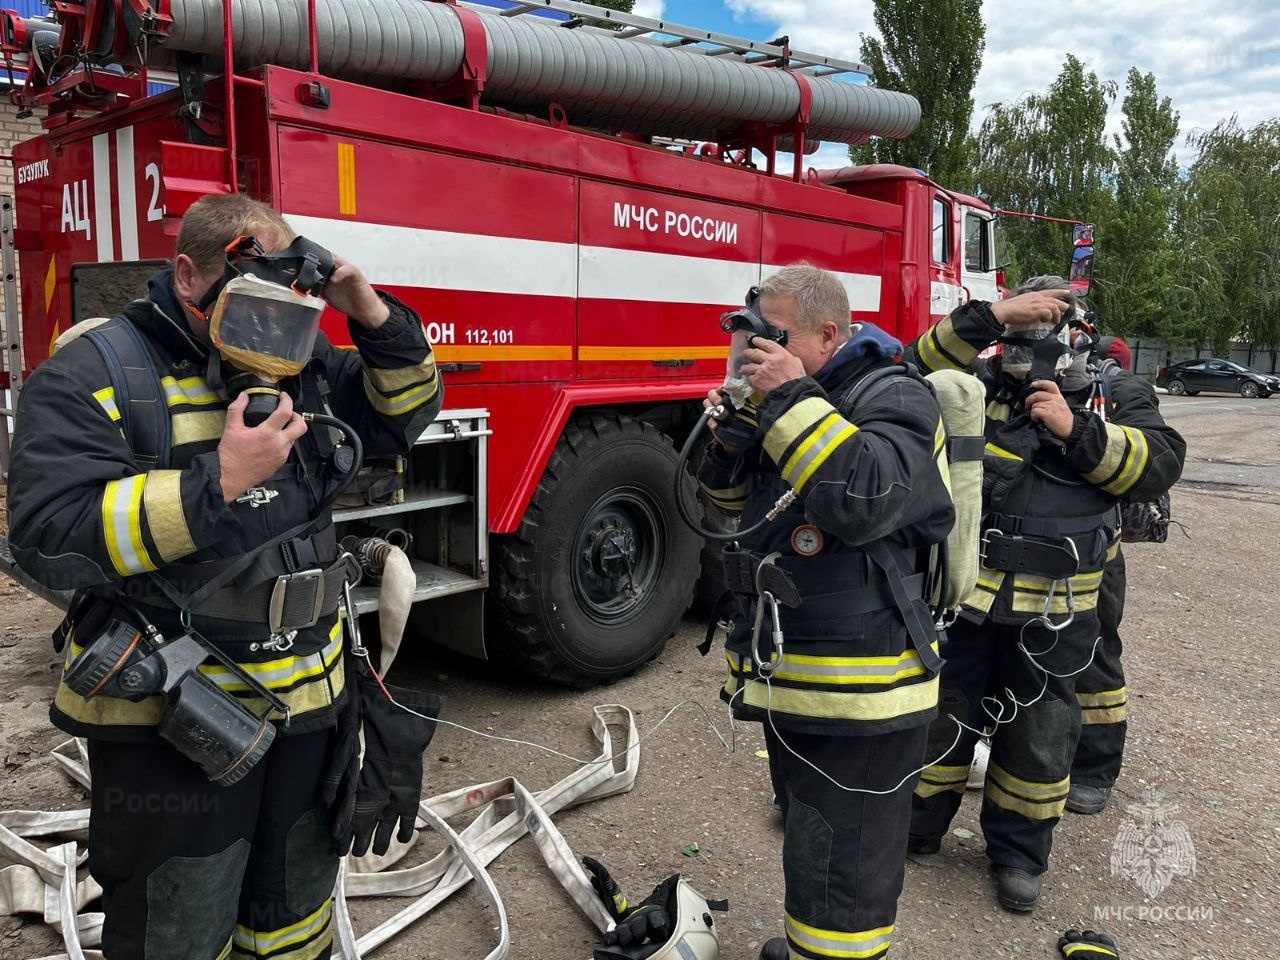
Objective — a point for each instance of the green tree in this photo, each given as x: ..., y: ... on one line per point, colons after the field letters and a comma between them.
x: 623, y: 6
x: 1136, y: 249
x: 931, y: 49
x: 1047, y: 154
x: 1228, y: 225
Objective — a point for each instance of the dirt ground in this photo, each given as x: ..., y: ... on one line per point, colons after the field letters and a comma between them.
x: 1204, y: 733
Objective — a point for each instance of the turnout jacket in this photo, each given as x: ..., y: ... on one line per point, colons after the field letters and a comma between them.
x: 1034, y: 482
x: 869, y: 478
x: 84, y: 515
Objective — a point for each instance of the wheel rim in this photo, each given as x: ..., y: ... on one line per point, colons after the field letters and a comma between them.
x: 1249, y: 390
x: 1177, y: 387
x: 618, y: 552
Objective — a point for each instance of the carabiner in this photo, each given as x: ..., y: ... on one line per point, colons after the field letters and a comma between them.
x: 765, y: 668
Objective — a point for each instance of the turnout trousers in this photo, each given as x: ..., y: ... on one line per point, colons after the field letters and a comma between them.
x: 194, y: 871
x: 1104, y: 710
x: 1029, y: 773
x: 843, y: 854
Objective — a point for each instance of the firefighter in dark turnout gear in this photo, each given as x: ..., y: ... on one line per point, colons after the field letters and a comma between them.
x: 1100, y: 690
x: 1054, y: 473
x: 844, y: 686
x: 191, y: 869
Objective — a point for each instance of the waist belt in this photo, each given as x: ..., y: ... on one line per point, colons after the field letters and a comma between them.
x: 1054, y: 526
x: 291, y: 601
x: 1057, y: 558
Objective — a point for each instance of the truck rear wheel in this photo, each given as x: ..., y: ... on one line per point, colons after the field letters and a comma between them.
x: 601, y: 569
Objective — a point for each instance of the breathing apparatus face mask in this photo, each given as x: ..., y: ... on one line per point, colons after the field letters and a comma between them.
x: 1041, y: 352
x: 264, y: 317
x: 744, y: 325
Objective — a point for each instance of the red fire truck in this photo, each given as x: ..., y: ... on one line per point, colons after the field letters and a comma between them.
x: 570, y: 249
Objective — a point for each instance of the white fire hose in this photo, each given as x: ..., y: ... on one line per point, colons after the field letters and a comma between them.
x: 42, y: 880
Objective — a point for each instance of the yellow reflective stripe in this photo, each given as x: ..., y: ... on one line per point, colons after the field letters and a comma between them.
x: 403, y: 402
x: 961, y: 353
x: 731, y: 498
x: 793, y: 424
x: 122, y: 525
x: 1112, y: 454
x: 838, y: 943
x: 197, y: 427
x: 848, y: 670
x: 269, y: 941
x: 942, y: 779
x: 1080, y: 583
x: 1001, y: 452
x: 929, y: 355
x: 939, y: 438
x: 1028, y: 788
x: 226, y: 951
x: 389, y: 381
x: 166, y: 519
x: 191, y: 390
x: 1098, y: 716
x: 1094, y: 950
x: 1036, y: 801
x: 1107, y: 698
x: 821, y: 453
x: 842, y: 705
x: 283, y: 672
x: 106, y: 398
x: 1135, y: 463
x: 1031, y: 809
x: 1028, y: 602
x: 104, y: 711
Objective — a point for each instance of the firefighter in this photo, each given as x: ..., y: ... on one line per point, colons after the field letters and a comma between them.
x: 832, y: 647
x: 188, y: 867
x: 1054, y: 474
x: 1100, y: 690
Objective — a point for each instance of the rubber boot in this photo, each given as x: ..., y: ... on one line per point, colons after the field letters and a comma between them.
x: 1016, y: 889
x: 775, y: 949
x: 1087, y: 800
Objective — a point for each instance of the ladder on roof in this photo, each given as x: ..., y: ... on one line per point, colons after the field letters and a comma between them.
x: 694, y: 40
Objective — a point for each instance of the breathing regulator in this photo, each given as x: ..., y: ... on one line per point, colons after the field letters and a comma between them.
x: 744, y: 325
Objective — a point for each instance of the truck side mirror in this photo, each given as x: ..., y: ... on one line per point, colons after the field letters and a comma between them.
x: 1081, y: 274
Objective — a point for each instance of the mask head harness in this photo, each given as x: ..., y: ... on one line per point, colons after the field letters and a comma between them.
x: 263, y: 317
x: 1035, y: 353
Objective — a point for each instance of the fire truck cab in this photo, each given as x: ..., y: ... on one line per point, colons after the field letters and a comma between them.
x: 570, y: 278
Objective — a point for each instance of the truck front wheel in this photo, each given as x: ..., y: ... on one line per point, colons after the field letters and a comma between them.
x: 601, y: 569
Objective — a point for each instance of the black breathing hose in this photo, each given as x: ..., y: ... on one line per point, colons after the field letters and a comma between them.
x: 357, y: 448
x: 681, y: 466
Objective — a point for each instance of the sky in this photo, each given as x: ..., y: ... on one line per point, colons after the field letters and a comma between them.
x: 1213, y: 57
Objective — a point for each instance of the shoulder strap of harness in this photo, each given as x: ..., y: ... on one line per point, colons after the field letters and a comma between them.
x: 139, y: 392
x: 915, y: 616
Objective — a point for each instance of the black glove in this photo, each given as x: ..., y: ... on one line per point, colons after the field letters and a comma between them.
x: 741, y: 429
x: 615, y: 901
x: 391, y: 775
x: 653, y: 921
x: 1088, y: 945
x: 341, y: 775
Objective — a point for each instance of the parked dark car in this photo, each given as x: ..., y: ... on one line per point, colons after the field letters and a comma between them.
x: 1216, y: 376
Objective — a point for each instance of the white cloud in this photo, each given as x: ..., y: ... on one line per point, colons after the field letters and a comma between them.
x: 1213, y: 57
x: 650, y: 8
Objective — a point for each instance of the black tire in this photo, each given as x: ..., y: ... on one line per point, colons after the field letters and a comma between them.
x: 1193, y: 393
x: 1249, y: 390
x: 1176, y: 388
x: 602, y: 569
